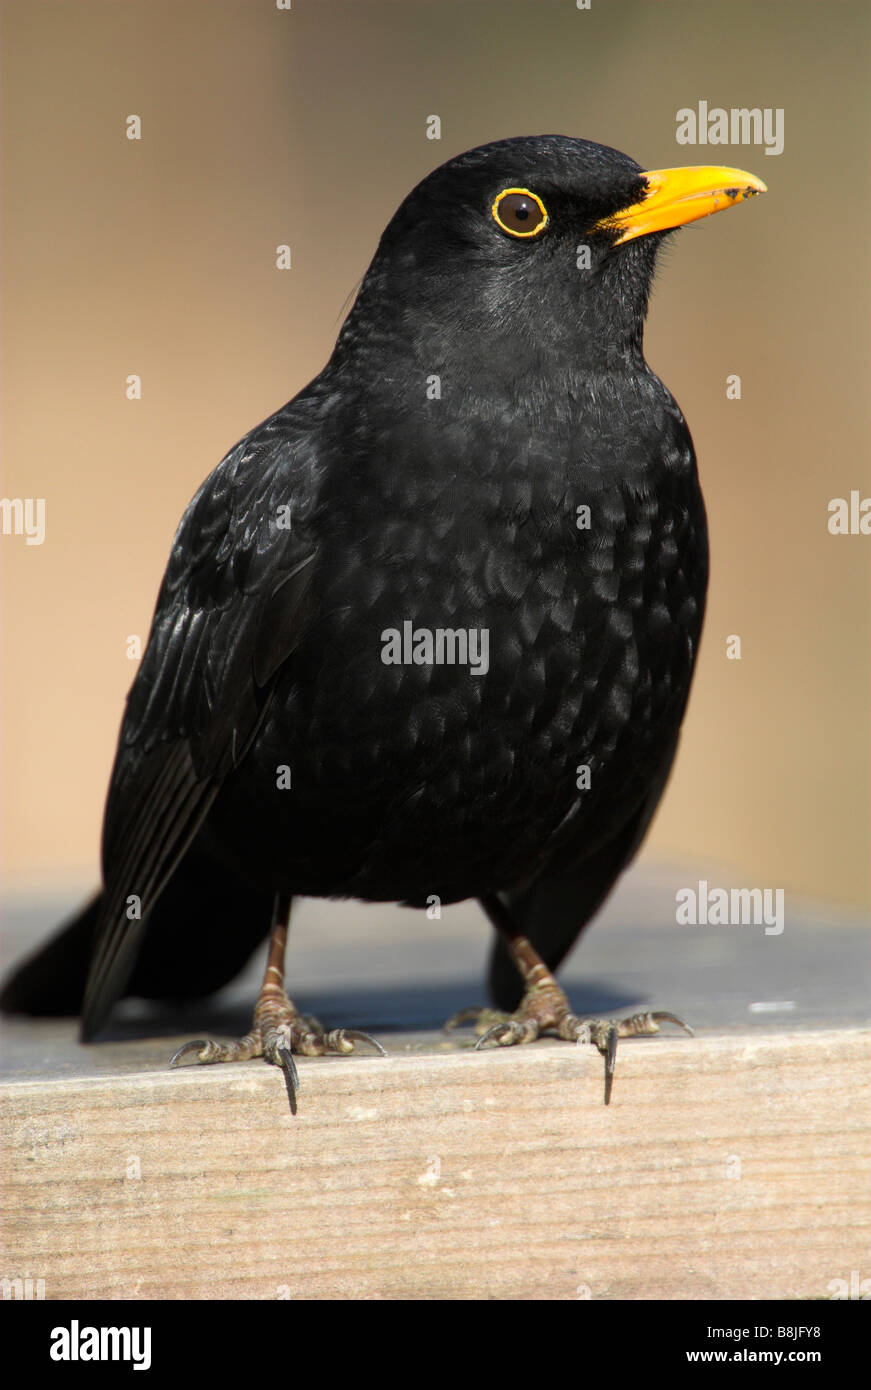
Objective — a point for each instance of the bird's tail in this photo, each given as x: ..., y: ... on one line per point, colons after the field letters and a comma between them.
x: 197, y: 938
x: 52, y: 982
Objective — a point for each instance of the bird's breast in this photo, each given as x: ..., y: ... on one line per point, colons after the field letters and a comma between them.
x: 489, y: 656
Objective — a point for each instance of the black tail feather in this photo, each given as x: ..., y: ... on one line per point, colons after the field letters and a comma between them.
x: 198, y: 937
x: 51, y: 983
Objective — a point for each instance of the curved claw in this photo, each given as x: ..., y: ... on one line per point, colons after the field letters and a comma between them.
x: 352, y: 1035
x: 291, y: 1075
x: 200, y: 1045
x: 496, y: 1034
x: 609, y: 1052
x: 673, y: 1018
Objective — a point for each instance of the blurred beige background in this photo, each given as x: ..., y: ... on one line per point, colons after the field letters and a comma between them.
x: 262, y: 126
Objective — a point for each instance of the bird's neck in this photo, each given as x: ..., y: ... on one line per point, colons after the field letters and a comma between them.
x: 502, y: 338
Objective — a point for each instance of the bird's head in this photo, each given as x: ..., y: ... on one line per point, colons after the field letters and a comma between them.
x: 538, y: 245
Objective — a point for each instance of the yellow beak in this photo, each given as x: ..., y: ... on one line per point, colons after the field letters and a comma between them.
x: 677, y: 196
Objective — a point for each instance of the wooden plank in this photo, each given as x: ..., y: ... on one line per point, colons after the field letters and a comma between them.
x: 728, y: 1166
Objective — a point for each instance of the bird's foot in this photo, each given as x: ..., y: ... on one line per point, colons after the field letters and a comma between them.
x: 545, y: 1010
x: 279, y: 1030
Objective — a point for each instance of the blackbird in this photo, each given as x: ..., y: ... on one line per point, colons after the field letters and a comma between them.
x: 427, y: 633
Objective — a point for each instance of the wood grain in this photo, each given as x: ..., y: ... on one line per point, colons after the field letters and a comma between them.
x: 725, y: 1167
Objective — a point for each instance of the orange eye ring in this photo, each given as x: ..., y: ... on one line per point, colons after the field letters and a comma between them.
x: 510, y: 210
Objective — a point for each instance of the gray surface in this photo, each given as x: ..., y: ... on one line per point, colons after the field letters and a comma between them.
x: 399, y: 975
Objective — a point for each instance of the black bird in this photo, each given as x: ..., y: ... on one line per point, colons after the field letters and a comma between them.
x: 428, y: 630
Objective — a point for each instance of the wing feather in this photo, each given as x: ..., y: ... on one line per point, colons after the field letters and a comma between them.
x: 234, y: 603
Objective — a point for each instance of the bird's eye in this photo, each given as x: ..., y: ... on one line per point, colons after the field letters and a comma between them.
x: 519, y: 212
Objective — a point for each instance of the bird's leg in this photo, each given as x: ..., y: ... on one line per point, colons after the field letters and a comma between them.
x: 279, y: 1029
x: 545, y: 1008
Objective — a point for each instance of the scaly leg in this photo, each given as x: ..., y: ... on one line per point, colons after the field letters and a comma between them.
x: 545, y: 1008
x: 279, y: 1029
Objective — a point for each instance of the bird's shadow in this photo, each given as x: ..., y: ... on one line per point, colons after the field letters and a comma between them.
x: 377, y: 1010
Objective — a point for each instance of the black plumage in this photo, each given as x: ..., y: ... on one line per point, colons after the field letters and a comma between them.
x: 484, y: 387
